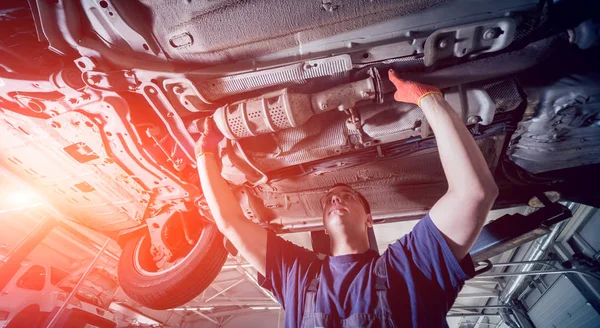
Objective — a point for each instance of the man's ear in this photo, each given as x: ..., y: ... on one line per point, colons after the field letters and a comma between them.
x: 369, y: 221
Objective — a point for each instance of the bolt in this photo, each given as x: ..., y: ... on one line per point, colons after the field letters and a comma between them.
x: 489, y: 34
x: 169, y: 114
x: 443, y: 44
x: 474, y: 119
x: 324, y: 106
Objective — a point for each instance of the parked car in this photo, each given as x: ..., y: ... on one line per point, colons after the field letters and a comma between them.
x: 36, y: 292
x: 102, y: 101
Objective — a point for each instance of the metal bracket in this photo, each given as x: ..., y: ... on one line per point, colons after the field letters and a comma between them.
x: 354, y: 125
x: 238, y: 168
x: 161, y: 254
x: 187, y: 95
x: 466, y: 40
x: 111, y: 81
x: 169, y: 117
x: 109, y: 25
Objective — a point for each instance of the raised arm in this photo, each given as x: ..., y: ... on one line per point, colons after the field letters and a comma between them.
x: 248, y: 237
x: 461, y: 212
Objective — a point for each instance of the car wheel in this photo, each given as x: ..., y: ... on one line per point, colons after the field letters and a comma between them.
x: 180, y: 282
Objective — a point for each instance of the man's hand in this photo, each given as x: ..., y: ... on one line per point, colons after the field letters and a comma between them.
x: 411, y: 92
x: 460, y: 214
x: 209, y: 139
x: 248, y: 238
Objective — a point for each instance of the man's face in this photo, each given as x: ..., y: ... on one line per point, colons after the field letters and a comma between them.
x: 343, y: 210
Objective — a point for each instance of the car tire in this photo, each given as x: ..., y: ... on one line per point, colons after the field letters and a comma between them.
x: 180, y: 283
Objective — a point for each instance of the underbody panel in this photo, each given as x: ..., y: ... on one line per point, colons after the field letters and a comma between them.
x: 107, y: 130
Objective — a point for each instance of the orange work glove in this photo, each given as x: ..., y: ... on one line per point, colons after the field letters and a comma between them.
x: 209, y: 140
x: 411, y: 92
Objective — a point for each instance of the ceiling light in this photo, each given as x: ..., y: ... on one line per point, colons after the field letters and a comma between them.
x: 22, y: 197
x: 193, y: 309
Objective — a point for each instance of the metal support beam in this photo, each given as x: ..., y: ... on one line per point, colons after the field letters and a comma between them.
x: 473, y: 307
x: 238, y: 312
x: 267, y: 303
x: 538, y: 272
x: 207, y: 318
x: 226, y: 320
x: 245, y: 272
x: 80, y: 231
x: 12, y: 262
x: 225, y: 289
x: 472, y: 315
x: 79, y: 283
x: 493, y: 294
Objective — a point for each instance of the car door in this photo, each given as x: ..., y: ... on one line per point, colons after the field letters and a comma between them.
x: 25, y: 290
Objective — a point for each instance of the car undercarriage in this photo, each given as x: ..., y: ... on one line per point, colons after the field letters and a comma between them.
x: 102, y: 102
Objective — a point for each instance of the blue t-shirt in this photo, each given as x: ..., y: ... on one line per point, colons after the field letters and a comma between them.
x: 423, y: 278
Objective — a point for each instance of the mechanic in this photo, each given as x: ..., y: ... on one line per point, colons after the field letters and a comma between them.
x: 413, y: 283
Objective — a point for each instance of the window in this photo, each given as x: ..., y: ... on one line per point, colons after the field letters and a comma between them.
x: 56, y: 275
x: 33, y: 279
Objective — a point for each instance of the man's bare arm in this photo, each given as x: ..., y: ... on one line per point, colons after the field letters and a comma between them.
x: 249, y: 238
x: 460, y: 214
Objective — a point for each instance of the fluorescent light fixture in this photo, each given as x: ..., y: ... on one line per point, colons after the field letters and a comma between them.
x: 258, y: 307
x: 233, y: 266
x: 193, y: 309
x: 274, y: 307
